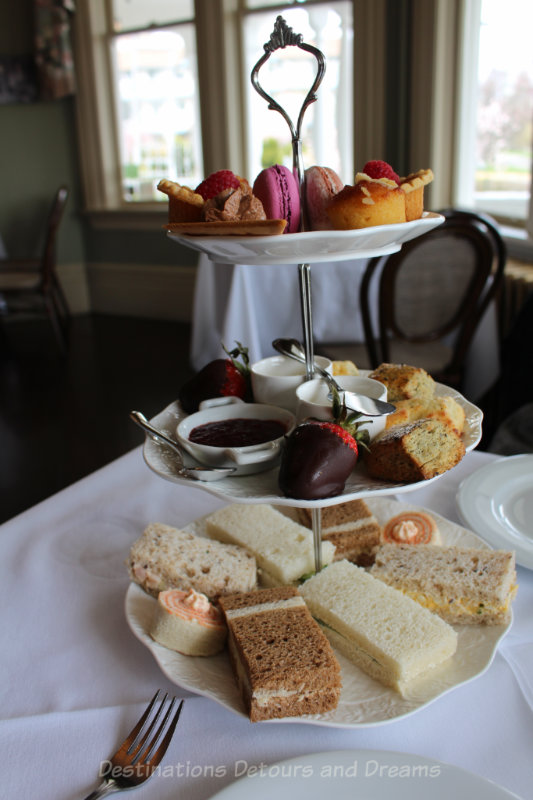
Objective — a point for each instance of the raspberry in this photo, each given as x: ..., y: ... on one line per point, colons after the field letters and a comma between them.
x: 380, y: 169
x: 217, y: 182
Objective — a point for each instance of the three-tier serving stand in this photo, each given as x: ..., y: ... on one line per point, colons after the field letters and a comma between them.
x: 341, y: 245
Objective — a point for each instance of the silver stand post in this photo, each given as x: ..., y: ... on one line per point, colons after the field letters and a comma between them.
x: 281, y: 37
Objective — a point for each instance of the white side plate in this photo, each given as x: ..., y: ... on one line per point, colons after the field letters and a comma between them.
x: 496, y: 501
x: 364, y: 774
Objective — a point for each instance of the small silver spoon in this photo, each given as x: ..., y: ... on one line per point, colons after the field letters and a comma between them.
x: 197, y: 473
x: 356, y: 402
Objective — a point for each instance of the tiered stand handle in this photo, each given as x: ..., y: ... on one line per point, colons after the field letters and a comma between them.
x: 281, y: 37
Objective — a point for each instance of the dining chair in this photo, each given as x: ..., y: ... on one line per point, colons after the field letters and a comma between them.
x: 432, y: 295
x: 31, y: 284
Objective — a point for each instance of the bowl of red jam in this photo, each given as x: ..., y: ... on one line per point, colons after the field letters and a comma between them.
x: 230, y: 432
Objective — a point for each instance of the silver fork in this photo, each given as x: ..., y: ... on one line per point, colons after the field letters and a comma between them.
x: 141, y: 751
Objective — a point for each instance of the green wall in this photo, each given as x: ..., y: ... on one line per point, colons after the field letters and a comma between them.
x: 38, y: 152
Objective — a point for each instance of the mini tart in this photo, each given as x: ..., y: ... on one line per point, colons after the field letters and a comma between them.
x: 372, y: 201
x: 411, y: 527
x: 413, y: 186
x: 184, y: 205
x: 188, y: 623
x: 257, y: 227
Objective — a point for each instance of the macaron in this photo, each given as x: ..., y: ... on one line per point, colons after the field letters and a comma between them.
x: 278, y: 190
x: 321, y: 185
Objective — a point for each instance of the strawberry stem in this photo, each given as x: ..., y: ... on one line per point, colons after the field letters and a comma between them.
x: 239, y: 352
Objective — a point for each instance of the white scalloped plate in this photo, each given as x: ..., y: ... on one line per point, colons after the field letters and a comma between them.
x: 364, y: 702
x: 263, y: 487
x: 362, y: 775
x: 310, y: 247
x: 497, y: 502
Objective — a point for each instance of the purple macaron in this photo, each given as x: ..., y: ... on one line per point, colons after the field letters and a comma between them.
x: 278, y: 190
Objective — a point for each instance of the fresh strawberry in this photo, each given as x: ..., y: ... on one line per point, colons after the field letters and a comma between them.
x: 223, y: 377
x: 217, y: 182
x: 380, y: 169
x: 319, y: 456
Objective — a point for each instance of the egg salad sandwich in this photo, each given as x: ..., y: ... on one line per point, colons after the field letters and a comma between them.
x: 283, y: 549
x: 388, y: 635
x: 463, y: 585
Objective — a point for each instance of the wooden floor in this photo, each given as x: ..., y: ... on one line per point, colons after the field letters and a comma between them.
x: 63, y: 417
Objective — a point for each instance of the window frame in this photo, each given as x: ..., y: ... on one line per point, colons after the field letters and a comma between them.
x: 219, y: 32
x: 433, y: 90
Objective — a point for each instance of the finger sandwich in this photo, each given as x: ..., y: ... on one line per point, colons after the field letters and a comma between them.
x: 388, y: 635
x: 351, y: 527
x: 464, y: 586
x: 282, y: 662
x: 282, y: 548
x: 168, y: 558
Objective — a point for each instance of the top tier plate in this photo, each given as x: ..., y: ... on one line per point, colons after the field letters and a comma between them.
x: 311, y: 247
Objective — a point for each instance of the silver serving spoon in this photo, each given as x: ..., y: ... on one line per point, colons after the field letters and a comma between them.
x: 197, y: 473
x: 356, y: 402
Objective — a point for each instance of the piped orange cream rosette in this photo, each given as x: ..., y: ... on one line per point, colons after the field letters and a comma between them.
x: 411, y: 527
x: 189, y: 623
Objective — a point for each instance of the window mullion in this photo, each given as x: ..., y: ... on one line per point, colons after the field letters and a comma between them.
x: 220, y: 89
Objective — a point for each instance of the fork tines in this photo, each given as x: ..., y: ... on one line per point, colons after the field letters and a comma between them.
x: 144, y: 738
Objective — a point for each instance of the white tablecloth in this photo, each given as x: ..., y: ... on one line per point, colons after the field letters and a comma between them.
x: 256, y: 304
x: 74, y: 678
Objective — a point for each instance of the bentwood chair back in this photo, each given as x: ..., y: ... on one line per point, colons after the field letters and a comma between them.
x: 31, y: 285
x: 432, y: 295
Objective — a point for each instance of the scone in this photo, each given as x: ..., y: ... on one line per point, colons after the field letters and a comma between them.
x: 417, y: 451
x: 444, y: 408
x: 369, y: 202
x: 404, y: 382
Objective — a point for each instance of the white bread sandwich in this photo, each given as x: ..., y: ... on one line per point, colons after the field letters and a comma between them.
x: 168, y: 558
x: 282, y: 662
x: 351, y: 527
x: 464, y: 586
x: 283, y: 549
x: 387, y: 635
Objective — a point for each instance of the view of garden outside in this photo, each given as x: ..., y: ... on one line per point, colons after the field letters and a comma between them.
x: 505, y: 107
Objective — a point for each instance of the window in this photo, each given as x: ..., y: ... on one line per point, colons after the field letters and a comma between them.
x: 496, y: 111
x: 157, y: 96
x: 149, y: 108
x: 327, y: 131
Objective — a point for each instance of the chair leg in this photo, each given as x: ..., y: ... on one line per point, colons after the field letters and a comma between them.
x: 59, y: 332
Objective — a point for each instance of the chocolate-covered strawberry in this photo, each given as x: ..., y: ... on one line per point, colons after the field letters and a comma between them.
x: 223, y: 377
x: 319, y: 456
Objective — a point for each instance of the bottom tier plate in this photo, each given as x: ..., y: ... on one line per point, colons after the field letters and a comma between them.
x: 364, y: 702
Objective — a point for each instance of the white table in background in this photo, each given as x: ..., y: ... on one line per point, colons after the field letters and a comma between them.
x: 74, y: 678
x: 256, y: 304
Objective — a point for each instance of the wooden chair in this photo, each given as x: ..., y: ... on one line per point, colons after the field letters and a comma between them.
x: 432, y: 295
x: 30, y: 285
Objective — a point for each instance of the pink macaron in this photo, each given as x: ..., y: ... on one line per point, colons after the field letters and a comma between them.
x: 278, y: 190
x: 321, y: 185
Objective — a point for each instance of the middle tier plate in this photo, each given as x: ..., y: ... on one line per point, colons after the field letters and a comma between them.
x: 263, y: 487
